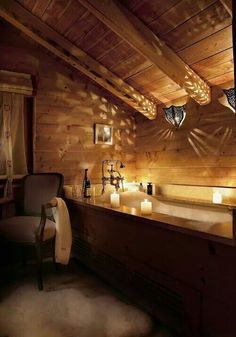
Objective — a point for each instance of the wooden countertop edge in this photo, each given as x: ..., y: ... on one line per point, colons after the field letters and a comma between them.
x: 163, y: 223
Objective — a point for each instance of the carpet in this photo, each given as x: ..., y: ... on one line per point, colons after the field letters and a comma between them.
x: 73, y: 304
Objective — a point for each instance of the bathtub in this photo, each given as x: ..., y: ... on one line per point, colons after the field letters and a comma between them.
x: 204, y: 213
x: 174, y: 249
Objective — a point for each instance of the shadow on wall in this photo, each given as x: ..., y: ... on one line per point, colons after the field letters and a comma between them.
x: 214, y: 131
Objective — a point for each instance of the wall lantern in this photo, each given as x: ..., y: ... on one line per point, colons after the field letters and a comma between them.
x: 175, y: 115
x: 230, y: 94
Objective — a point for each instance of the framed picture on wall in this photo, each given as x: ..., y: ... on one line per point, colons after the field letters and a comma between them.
x: 103, y: 134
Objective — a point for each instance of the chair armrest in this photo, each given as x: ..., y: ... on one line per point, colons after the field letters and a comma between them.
x: 52, y: 203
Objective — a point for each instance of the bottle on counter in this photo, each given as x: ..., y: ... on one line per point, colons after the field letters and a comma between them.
x: 141, y: 188
x: 86, y: 185
x: 149, y: 188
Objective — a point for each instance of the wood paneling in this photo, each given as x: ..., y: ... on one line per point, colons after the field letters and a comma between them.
x: 66, y: 110
x: 200, y: 31
x: 178, y: 14
x: 228, y: 6
x: 218, y: 80
x: 75, y: 57
x: 149, y: 76
x: 100, y: 31
x: 55, y: 11
x: 28, y: 3
x: 132, y: 66
x: 148, y: 11
x: 40, y: 7
x: 215, y: 65
x: 201, y: 152
x: 141, y: 38
x: 81, y: 27
x: 69, y: 17
x: 206, y: 23
x: 210, y: 46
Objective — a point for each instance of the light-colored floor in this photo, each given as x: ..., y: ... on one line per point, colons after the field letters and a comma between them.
x: 74, y: 303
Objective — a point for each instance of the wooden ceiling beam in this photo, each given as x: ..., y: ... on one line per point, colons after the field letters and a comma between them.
x: 55, y: 43
x: 122, y: 22
x: 228, y: 6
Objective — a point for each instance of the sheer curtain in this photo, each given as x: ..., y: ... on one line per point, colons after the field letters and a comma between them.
x: 12, y: 151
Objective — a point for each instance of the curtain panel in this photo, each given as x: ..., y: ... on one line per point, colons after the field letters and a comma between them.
x: 13, y: 87
x: 12, y: 151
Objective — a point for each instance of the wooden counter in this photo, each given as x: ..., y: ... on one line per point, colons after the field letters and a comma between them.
x: 183, y: 276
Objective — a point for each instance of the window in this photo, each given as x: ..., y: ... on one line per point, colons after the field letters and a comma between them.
x: 15, y: 126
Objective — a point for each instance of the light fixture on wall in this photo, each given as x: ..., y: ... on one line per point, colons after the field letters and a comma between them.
x: 230, y: 94
x: 175, y: 115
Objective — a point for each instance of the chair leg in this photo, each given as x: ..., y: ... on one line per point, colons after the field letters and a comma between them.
x: 39, y: 266
x: 23, y: 257
x: 54, y: 261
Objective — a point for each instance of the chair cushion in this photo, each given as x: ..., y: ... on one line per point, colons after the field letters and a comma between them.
x: 21, y: 229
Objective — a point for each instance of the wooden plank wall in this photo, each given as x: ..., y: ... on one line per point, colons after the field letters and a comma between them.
x: 201, y: 152
x: 66, y: 109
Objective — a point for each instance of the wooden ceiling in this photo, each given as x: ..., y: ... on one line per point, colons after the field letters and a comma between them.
x: 190, y: 33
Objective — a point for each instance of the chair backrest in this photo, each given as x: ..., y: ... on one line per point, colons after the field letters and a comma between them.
x: 40, y: 188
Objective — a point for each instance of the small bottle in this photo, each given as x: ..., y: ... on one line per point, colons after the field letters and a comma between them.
x: 86, y: 185
x: 141, y: 188
x: 149, y: 188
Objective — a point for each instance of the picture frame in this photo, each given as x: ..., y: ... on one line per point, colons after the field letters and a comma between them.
x: 103, y: 134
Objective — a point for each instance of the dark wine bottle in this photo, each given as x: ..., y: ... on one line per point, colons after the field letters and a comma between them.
x: 86, y: 185
x: 149, y: 188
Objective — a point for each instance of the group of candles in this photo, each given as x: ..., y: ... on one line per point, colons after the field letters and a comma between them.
x: 146, y: 205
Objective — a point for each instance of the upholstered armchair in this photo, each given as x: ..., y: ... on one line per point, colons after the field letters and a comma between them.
x: 34, y: 226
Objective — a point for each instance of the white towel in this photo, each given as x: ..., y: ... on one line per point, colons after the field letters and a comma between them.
x: 63, y: 232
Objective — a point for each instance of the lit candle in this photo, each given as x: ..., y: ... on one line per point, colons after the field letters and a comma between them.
x: 115, y: 200
x: 217, y: 198
x: 146, y: 207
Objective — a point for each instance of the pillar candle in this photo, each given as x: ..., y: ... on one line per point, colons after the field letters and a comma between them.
x: 217, y: 198
x: 115, y: 200
x: 146, y: 207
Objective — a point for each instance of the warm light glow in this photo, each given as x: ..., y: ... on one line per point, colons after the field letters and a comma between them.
x: 132, y: 187
x: 146, y: 207
x: 217, y: 198
x: 147, y: 107
x: 115, y: 200
x: 133, y: 211
x: 204, y: 143
x: 196, y: 87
